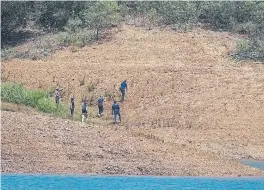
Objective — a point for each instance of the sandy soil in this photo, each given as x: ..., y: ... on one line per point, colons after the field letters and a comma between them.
x: 34, y: 143
x: 190, y: 109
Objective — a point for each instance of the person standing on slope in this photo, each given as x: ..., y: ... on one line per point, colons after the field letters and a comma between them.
x: 116, y: 111
x: 57, y: 96
x: 72, y: 107
x: 84, y: 111
x: 100, y: 106
x: 123, y: 90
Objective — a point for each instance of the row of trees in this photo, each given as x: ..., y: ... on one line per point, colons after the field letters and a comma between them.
x: 245, y: 17
x: 57, y: 15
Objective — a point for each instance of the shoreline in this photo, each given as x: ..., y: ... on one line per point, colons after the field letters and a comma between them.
x: 132, y: 176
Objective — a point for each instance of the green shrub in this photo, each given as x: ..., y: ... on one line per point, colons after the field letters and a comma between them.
x: 79, y: 38
x: 8, y: 52
x: 73, y: 25
x: 245, y: 28
x: 12, y: 92
x: 47, y: 105
x: 32, y: 97
x: 178, y: 12
x: 250, y: 49
x: 16, y: 93
x: 244, y: 46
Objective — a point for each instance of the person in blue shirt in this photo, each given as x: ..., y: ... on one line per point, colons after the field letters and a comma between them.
x: 116, y: 111
x: 100, y: 106
x: 123, y: 89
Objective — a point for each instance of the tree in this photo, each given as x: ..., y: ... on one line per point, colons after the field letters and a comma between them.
x: 100, y: 15
x: 12, y: 15
x: 178, y: 12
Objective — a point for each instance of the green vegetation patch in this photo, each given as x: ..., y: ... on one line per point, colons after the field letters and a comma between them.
x: 250, y: 49
x: 79, y: 23
x: 16, y: 93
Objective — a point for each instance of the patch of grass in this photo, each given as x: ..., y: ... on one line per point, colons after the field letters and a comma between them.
x: 16, y: 93
x: 31, y: 97
x: 48, y: 106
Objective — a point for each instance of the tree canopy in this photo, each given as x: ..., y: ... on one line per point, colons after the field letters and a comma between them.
x: 245, y: 17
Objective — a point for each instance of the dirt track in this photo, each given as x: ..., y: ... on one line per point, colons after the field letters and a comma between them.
x: 183, y: 89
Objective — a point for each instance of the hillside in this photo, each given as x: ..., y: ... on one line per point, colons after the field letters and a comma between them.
x: 33, y: 143
x: 185, y: 96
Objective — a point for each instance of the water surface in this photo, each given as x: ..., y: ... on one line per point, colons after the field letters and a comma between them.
x: 71, y: 182
x: 254, y: 163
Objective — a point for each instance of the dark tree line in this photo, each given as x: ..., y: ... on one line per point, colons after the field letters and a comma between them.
x: 246, y: 17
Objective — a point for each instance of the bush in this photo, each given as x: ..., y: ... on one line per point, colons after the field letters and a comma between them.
x: 6, y: 53
x: 250, y: 49
x: 32, y: 97
x: 46, y: 105
x: 73, y: 25
x: 16, y: 93
x: 178, y: 12
x: 244, y: 46
x: 245, y: 28
x: 13, y: 93
x: 80, y: 38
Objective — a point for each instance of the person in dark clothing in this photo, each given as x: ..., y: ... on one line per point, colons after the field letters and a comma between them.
x: 72, y: 106
x: 100, y: 106
x: 84, y: 111
x: 123, y: 90
x: 116, y: 111
x: 57, y: 96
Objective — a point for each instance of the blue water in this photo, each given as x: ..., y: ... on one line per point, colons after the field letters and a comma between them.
x: 254, y: 163
x: 65, y: 182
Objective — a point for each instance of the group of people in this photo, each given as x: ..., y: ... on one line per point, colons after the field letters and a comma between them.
x: 100, y: 103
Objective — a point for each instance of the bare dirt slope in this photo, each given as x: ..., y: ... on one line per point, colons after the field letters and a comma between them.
x: 34, y: 143
x: 182, y: 87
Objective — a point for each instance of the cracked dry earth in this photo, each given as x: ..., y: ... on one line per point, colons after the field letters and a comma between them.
x: 190, y: 109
